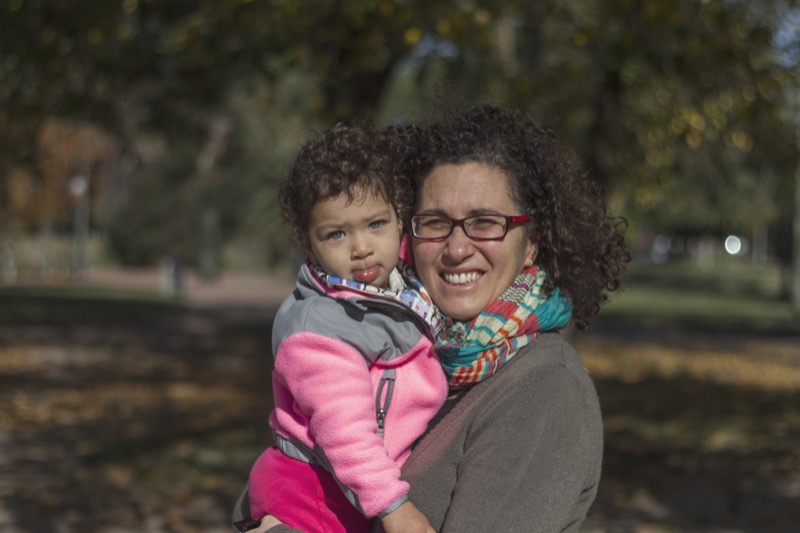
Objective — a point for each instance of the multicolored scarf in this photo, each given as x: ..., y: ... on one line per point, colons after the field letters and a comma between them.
x: 471, y: 352
x: 404, y: 287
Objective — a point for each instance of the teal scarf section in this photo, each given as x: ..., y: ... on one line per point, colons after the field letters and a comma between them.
x: 471, y: 352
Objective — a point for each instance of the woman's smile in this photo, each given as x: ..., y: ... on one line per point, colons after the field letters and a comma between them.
x: 461, y: 278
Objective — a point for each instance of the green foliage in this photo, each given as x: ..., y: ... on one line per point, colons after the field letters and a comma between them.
x: 156, y: 220
x: 162, y: 216
x: 678, y: 108
x: 274, y: 121
x: 681, y: 110
x: 675, y: 107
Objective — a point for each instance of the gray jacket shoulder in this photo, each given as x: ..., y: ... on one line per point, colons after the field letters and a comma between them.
x: 379, y: 330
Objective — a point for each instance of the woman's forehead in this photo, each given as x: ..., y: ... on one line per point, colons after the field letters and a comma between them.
x: 466, y: 187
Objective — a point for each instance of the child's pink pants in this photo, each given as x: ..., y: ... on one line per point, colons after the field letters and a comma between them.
x: 301, y: 495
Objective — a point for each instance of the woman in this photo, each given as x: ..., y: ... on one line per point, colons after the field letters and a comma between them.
x: 512, y: 243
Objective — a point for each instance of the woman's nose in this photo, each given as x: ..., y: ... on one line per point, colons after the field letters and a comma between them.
x: 458, y: 246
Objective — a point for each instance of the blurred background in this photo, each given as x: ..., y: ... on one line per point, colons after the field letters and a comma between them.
x: 142, y: 255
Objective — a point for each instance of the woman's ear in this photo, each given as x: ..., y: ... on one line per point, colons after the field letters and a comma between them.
x: 531, y: 251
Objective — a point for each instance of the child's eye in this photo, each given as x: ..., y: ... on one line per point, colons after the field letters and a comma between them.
x: 375, y: 224
x: 334, y: 235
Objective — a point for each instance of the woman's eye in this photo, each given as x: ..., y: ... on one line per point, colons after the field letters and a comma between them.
x: 484, y: 223
x: 435, y: 223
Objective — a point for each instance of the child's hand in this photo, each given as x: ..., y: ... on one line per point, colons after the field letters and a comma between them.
x: 267, y: 523
x: 406, y: 519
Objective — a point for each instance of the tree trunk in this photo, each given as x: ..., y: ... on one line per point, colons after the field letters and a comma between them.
x: 796, y: 248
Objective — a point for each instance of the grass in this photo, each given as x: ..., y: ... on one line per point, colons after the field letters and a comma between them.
x: 78, y: 303
x: 731, y: 297
x: 699, y: 382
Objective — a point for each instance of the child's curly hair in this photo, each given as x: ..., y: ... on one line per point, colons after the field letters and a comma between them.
x: 580, y: 247
x: 345, y: 159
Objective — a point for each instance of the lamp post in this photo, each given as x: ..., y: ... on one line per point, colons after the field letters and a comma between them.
x: 79, y: 187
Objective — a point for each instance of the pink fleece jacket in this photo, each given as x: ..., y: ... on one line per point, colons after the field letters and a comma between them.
x: 332, y: 346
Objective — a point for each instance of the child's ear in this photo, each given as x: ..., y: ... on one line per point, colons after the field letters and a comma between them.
x: 310, y: 252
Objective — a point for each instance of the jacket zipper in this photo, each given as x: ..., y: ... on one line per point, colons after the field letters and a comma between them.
x: 382, y: 401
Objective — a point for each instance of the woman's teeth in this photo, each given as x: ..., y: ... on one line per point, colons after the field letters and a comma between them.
x: 461, y: 278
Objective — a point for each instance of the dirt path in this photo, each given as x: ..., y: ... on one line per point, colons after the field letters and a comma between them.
x: 239, y: 290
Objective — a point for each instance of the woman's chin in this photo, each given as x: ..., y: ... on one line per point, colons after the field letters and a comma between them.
x: 460, y: 302
x: 461, y: 311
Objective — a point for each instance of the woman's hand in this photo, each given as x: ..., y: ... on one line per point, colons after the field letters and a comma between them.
x: 406, y: 519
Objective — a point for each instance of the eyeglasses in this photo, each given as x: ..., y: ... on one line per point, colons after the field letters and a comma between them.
x: 478, y: 227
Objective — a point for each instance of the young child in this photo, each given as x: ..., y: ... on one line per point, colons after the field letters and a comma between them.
x: 355, y: 379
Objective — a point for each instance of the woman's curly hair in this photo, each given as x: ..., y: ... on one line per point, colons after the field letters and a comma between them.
x: 580, y: 247
x: 344, y: 160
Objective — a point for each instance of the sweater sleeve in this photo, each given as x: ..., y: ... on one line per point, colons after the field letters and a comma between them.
x: 330, y: 384
x: 527, y: 458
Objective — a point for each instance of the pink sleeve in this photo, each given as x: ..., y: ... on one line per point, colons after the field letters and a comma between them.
x: 331, y: 384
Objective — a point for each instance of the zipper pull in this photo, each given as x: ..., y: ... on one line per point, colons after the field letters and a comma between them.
x: 381, y: 416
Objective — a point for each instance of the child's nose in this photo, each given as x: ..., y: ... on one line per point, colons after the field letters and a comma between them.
x: 361, y: 247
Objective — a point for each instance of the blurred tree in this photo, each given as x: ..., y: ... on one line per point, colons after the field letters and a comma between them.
x: 680, y: 108
x: 260, y: 129
x: 66, y: 150
x: 675, y: 105
x: 158, y: 74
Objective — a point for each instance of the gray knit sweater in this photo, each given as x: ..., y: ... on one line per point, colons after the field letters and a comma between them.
x: 520, y: 451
